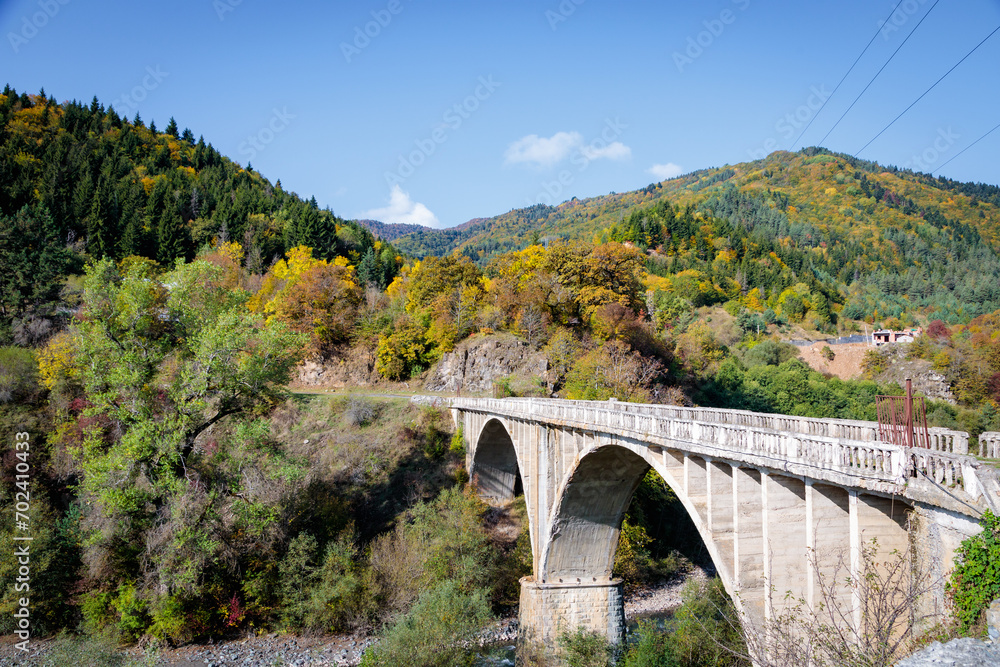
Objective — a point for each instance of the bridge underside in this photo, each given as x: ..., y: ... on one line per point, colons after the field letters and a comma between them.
x: 776, y: 539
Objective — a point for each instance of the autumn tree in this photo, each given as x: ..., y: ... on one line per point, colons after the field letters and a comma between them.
x: 173, y: 369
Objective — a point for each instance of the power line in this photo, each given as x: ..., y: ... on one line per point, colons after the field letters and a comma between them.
x: 928, y: 90
x: 821, y: 141
x: 967, y: 148
x: 865, y: 50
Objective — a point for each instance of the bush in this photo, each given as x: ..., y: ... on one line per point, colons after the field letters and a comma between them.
x: 18, y: 375
x: 438, y: 631
x: 975, y: 581
x: 652, y: 649
x: 323, y: 595
x: 360, y: 411
x: 705, y: 629
x: 769, y: 353
x: 458, y: 442
x: 439, y: 541
x: 586, y: 649
x: 96, y: 651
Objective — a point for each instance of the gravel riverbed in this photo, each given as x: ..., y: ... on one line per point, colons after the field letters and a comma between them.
x: 274, y: 650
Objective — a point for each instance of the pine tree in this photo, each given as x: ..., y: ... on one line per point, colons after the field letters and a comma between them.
x: 369, y: 271
x: 173, y: 239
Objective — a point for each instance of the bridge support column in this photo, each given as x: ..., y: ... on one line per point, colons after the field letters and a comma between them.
x: 550, y: 609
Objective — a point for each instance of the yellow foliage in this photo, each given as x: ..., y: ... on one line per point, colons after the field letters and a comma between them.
x: 657, y: 283
x: 754, y: 300
x: 396, y: 288
x: 231, y: 250
x: 831, y: 191
x: 283, y: 275
x: 56, y: 360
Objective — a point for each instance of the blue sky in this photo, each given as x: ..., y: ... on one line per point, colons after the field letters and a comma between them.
x: 438, y: 112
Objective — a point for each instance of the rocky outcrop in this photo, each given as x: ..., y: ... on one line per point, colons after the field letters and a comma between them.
x: 926, y: 380
x: 477, y: 362
x: 965, y: 652
x: 353, y: 367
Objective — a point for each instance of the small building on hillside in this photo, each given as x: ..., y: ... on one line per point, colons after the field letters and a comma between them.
x: 883, y: 336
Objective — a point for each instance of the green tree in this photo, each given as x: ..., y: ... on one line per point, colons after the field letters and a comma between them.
x: 160, y: 368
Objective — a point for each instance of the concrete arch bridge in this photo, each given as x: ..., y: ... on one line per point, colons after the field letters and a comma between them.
x: 763, y: 490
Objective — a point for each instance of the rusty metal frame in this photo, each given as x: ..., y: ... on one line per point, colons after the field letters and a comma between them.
x: 902, y: 420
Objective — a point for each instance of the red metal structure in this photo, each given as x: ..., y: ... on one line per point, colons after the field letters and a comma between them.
x: 901, y: 420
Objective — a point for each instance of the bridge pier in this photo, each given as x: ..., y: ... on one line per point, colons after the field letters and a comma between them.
x: 547, y: 610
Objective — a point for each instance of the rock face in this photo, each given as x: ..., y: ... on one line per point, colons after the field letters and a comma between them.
x: 926, y: 380
x: 354, y: 367
x: 965, y: 652
x: 477, y: 362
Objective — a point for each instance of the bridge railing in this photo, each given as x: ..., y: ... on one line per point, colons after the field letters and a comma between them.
x: 872, y: 459
x: 787, y: 439
x: 989, y: 444
x: 940, y: 439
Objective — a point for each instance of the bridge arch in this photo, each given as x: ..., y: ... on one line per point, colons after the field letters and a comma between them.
x: 765, y: 492
x: 495, y: 470
x: 587, y: 518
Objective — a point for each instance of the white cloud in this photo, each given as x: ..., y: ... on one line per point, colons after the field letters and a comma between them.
x: 665, y: 171
x: 543, y: 152
x: 613, y: 151
x: 402, y: 209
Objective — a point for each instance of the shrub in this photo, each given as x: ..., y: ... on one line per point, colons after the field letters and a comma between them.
x: 705, y: 631
x: 769, y: 353
x: 433, y: 432
x: 360, y: 411
x: 405, y: 353
x: 93, y: 651
x: 458, y: 442
x: 133, y: 612
x: 652, y: 649
x: 586, y: 649
x: 874, y: 364
x: 18, y: 375
x: 440, y: 541
x: 438, y: 630
x: 297, y: 575
x: 975, y: 581
x: 632, y: 556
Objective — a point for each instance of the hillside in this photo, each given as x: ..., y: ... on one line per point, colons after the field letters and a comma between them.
x: 389, y: 231
x: 78, y: 183
x: 881, y: 241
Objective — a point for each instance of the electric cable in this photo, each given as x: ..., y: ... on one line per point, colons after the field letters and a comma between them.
x: 843, y: 78
x: 928, y: 90
x: 967, y: 148
x: 880, y: 71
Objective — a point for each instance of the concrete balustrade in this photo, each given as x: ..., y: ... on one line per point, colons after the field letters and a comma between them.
x: 989, y: 445
x: 786, y: 505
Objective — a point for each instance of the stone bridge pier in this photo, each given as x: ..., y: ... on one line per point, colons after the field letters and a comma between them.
x: 783, y: 504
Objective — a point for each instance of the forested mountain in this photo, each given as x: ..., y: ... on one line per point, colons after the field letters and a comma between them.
x: 79, y: 182
x: 390, y: 231
x: 878, y: 240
